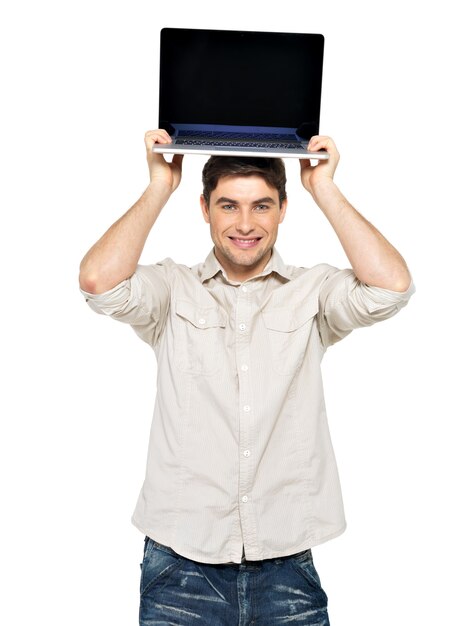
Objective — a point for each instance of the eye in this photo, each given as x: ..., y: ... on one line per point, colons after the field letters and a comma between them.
x: 228, y: 207
x: 261, y: 207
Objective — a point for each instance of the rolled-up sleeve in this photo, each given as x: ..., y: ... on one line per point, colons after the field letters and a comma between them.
x: 141, y: 301
x: 346, y: 303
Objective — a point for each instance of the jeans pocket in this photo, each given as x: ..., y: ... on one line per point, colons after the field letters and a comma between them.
x: 157, y: 565
x: 146, y: 547
x: 304, y: 566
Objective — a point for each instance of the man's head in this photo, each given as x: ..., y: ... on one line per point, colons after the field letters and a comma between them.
x: 244, y: 201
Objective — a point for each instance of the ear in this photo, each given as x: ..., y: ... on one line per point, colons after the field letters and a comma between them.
x: 205, y: 209
x: 283, y: 209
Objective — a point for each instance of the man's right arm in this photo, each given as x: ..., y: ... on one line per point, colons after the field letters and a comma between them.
x: 114, y: 257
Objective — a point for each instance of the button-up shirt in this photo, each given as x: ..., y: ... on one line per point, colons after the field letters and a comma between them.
x: 240, y: 452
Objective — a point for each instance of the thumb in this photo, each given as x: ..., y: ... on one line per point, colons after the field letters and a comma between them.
x: 304, y: 163
x: 177, y: 160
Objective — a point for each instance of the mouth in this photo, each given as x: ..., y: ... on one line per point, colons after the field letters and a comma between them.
x: 244, y: 243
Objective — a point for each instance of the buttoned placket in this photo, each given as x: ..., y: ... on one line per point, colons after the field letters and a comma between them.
x: 247, y: 410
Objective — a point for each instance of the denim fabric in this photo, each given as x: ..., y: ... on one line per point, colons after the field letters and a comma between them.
x: 179, y: 591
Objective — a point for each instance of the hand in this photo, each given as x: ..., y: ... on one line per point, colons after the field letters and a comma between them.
x: 314, y: 175
x: 160, y: 170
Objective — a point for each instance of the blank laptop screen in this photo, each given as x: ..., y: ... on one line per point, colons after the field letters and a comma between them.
x: 240, y: 78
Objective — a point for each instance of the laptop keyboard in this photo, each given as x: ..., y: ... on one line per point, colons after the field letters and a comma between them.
x: 237, y: 144
x: 238, y: 140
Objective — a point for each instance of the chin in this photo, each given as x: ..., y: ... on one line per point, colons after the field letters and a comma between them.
x: 249, y: 257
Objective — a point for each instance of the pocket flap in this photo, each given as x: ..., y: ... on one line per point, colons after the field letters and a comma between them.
x: 287, y: 320
x: 200, y: 317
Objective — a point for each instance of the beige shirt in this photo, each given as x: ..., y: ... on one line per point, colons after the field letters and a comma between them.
x: 240, y: 451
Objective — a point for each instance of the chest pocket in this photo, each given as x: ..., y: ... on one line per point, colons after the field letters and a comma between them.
x: 289, y: 333
x: 199, y: 337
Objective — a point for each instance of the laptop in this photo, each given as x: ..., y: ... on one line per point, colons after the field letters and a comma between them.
x: 243, y: 93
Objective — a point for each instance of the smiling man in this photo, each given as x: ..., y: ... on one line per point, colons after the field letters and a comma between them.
x: 241, y: 479
x: 243, y: 205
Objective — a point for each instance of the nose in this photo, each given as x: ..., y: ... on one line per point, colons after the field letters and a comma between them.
x: 244, y: 224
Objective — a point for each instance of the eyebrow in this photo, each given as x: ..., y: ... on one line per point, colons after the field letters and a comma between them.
x: 266, y: 200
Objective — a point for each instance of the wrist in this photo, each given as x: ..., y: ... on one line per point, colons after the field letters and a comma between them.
x: 154, y: 197
x: 159, y: 190
x: 322, y: 189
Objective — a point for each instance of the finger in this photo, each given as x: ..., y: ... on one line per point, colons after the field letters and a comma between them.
x: 157, y: 131
x: 318, y: 142
x: 323, y: 143
x: 156, y: 136
x: 177, y: 159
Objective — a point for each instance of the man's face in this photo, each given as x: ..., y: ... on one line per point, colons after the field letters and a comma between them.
x: 244, y: 215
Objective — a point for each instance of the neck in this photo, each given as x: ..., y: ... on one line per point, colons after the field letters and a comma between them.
x: 240, y: 273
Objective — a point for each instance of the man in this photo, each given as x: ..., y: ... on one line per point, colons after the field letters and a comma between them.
x: 241, y: 480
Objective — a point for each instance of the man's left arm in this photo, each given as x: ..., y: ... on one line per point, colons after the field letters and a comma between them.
x: 373, y: 259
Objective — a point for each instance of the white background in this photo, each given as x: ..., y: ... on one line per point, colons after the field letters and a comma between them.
x: 80, y: 88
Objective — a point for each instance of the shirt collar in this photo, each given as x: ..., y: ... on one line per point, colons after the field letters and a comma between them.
x: 212, y: 266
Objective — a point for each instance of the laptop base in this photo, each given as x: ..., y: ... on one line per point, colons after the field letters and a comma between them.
x: 233, y: 150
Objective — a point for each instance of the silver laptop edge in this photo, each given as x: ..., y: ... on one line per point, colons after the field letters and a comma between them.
x: 172, y: 148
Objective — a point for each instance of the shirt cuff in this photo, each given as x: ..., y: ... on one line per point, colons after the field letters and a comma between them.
x: 109, y: 302
x: 379, y: 297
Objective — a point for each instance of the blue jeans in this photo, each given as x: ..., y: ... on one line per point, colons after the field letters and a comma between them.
x: 176, y: 590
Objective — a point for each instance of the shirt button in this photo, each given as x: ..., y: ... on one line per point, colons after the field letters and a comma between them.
x: 242, y: 326
x: 244, y: 498
x: 247, y: 452
x: 244, y: 367
x: 202, y: 320
x: 244, y: 288
x: 246, y: 408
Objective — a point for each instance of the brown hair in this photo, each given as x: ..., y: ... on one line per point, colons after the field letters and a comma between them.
x: 270, y: 169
